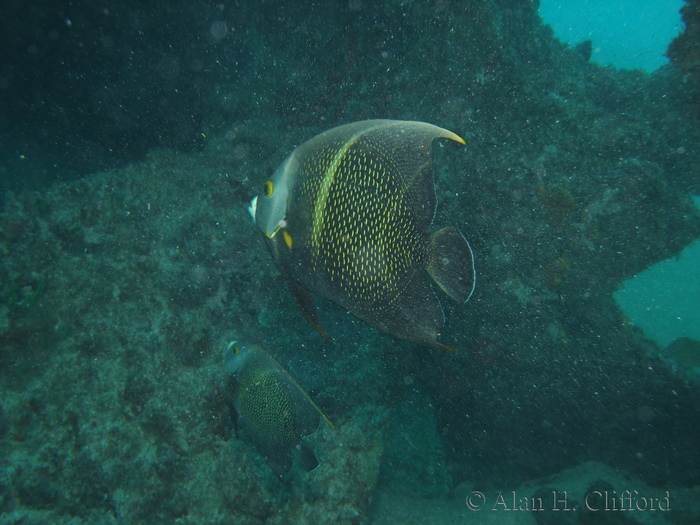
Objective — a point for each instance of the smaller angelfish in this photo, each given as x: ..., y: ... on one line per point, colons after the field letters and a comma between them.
x: 274, y: 412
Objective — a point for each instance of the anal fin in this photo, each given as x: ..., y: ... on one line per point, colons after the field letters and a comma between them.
x: 414, y: 315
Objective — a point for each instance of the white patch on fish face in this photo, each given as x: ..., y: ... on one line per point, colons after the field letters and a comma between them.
x: 236, y: 356
x: 252, y: 207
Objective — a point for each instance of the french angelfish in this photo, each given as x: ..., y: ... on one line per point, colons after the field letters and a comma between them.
x: 346, y: 216
x: 274, y: 412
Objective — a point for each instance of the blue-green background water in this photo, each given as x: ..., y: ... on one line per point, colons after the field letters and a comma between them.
x: 664, y: 300
x: 132, y: 138
x: 626, y: 34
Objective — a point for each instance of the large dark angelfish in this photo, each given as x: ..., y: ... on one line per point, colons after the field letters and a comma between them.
x: 346, y: 217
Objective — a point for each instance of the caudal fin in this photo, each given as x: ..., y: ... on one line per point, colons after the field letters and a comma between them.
x: 451, y: 263
x: 307, y: 457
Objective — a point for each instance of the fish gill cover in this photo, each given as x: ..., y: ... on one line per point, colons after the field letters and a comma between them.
x: 120, y: 290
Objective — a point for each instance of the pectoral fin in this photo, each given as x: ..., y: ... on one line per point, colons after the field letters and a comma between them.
x: 306, y: 303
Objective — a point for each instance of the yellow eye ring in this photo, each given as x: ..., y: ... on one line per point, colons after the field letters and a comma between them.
x: 268, y: 188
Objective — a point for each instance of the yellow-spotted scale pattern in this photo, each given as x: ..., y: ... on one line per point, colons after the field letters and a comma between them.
x: 266, y: 406
x: 354, y: 205
x: 362, y: 232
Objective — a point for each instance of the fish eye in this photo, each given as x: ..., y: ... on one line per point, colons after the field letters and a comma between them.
x: 268, y: 188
